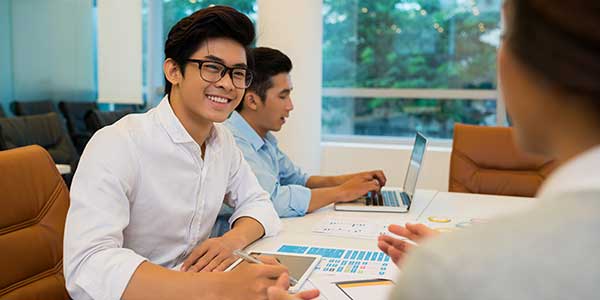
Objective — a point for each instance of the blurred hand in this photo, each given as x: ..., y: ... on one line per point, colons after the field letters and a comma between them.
x: 396, y: 248
x: 214, y: 254
x: 251, y: 281
x: 375, y: 174
x: 279, y: 292
x: 357, y: 187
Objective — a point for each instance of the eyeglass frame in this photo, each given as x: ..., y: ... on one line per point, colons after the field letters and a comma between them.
x: 226, y: 69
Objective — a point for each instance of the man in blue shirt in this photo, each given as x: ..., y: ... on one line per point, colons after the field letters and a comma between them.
x: 265, y: 107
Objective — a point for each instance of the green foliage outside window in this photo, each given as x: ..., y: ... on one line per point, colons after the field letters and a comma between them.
x: 404, y: 44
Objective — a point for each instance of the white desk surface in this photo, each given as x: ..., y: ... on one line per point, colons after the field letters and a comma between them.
x: 459, y: 207
x: 63, y: 169
x: 299, y: 230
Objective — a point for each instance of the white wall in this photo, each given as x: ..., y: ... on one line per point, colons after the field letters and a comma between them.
x: 339, y: 158
x: 120, y: 51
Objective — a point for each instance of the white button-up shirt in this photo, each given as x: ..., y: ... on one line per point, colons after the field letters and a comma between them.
x: 143, y: 192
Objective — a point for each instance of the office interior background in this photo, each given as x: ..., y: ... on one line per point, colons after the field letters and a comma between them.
x: 367, y: 74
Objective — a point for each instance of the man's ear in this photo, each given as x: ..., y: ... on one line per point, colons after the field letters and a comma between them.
x: 251, y: 100
x: 172, y: 71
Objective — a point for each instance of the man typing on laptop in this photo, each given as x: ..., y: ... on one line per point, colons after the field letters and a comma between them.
x: 265, y: 107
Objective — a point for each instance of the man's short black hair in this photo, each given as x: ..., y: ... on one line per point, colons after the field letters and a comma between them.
x: 213, y: 22
x: 268, y: 62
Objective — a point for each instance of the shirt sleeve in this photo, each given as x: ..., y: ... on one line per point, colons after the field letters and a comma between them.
x: 427, y: 275
x: 289, y: 173
x: 291, y: 199
x: 247, y: 197
x: 96, y: 265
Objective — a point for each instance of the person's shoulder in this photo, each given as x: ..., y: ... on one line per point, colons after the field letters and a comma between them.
x: 552, y: 237
x: 233, y: 135
x: 123, y: 132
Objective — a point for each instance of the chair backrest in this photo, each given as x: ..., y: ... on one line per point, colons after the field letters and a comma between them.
x: 96, y: 119
x: 33, y: 209
x: 28, y: 108
x: 44, y: 130
x: 2, y: 114
x: 486, y: 160
x: 74, y: 113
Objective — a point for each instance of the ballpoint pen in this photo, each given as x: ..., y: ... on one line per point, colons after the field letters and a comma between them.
x: 251, y: 259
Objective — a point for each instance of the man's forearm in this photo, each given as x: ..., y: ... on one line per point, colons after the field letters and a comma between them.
x: 322, y: 197
x: 315, y: 182
x: 150, y: 281
x: 245, y: 230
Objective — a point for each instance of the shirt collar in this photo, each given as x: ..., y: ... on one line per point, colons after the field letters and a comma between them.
x: 578, y: 174
x: 175, y: 129
x: 244, y: 130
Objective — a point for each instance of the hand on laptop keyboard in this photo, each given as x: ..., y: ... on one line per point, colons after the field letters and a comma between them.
x: 357, y: 187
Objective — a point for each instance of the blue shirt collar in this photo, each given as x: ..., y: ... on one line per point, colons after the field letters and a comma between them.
x: 242, y: 129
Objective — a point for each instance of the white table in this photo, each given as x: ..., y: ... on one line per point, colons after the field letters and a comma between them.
x: 463, y: 208
x: 456, y: 206
x: 299, y: 230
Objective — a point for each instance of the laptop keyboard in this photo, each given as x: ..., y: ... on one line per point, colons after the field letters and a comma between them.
x: 388, y: 198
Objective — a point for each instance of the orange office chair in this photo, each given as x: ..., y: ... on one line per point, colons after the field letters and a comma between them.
x: 33, y: 207
x: 486, y: 160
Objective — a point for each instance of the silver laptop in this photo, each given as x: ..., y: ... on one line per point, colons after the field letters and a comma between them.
x: 392, y: 199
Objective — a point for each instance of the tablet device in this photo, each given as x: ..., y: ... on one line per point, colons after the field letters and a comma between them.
x: 300, y: 266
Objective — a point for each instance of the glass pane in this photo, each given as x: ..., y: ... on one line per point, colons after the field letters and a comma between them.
x: 175, y: 10
x: 402, y: 117
x: 410, y: 44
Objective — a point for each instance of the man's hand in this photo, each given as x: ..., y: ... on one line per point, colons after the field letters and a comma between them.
x: 214, y: 254
x: 279, y: 291
x: 375, y: 174
x: 357, y: 187
x: 396, y: 248
x: 251, y: 281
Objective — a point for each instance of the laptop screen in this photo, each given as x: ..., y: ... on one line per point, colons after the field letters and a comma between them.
x: 416, y: 159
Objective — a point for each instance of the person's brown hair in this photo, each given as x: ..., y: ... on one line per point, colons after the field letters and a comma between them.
x: 560, y: 41
x: 213, y: 22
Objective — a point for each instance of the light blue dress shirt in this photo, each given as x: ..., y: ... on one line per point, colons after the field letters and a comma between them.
x: 276, y: 173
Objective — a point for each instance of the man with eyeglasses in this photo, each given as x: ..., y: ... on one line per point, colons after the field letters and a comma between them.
x: 266, y: 106
x: 148, y: 188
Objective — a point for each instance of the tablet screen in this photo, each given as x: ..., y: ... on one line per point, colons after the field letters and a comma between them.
x: 297, y: 265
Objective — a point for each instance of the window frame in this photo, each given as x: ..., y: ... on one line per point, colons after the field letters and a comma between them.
x: 438, y: 94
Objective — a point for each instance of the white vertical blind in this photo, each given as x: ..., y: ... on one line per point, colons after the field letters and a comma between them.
x: 120, y: 51
x: 298, y: 33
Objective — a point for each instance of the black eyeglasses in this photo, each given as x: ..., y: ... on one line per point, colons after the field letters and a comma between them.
x: 212, y: 71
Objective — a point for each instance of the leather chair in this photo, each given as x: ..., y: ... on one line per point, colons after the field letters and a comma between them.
x: 486, y: 160
x: 28, y: 108
x: 33, y: 209
x: 74, y: 113
x: 44, y: 130
x: 96, y: 119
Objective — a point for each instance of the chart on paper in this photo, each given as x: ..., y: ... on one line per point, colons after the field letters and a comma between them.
x: 346, y: 261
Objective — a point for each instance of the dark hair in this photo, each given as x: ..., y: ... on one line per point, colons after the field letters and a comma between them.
x: 268, y: 62
x: 213, y: 22
x: 559, y: 40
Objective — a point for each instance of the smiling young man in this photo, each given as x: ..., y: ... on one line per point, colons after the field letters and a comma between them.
x: 148, y: 188
x: 265, y: 108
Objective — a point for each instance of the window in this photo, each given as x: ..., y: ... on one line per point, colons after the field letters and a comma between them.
x: 391, y: 67
x: 175, y: 10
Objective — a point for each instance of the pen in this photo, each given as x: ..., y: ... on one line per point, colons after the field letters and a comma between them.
x: 251, y: 259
